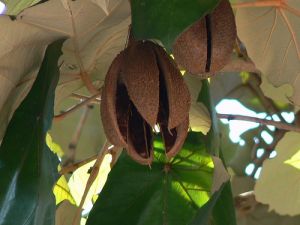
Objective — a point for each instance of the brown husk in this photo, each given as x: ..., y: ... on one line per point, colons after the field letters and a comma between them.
x: 108, y: 104
x: 179, y: 99
x: 141, y: 77
x: 191, y: 48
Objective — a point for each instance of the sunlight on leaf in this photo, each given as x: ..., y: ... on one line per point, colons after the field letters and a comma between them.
x: 16, y: 6
x: 54, y: 147
x: 62, y: 191
x: 294, y: 161
x: 79, y: 178
x: 166, y: 193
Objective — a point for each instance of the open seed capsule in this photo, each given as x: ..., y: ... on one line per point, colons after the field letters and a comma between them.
x: 143, y: 88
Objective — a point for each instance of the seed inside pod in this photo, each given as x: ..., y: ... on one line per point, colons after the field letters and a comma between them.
x: 206, y: 46
x: 142, y: 88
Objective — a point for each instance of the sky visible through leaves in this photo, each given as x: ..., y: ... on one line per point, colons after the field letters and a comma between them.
x: 237, y: 128
x: 2, y: 7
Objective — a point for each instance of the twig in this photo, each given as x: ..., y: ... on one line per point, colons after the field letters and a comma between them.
x: 76, y: 107
x: 76, y: 136
x: 71, y: 168
x: 115, y: 152
x: 279, y: 125
x: 263, y: 3
x: 279, y: 134
x: 92, y: 178
x: 84, y: 97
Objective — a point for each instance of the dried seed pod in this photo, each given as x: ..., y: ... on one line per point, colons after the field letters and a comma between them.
x: 141, y: 77
x: 143, y: 87
x: 206, y: 46
x: 178, y: 96
x: 110, y: 102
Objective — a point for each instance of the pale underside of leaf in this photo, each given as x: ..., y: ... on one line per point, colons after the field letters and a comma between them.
x: 272, y: 38
x: 65, y: 214
x: 22, y: 49
x: 278, y: 185
x: 221, y: 176
x: 97, y: 32
x: 199, y: 116
x: 95, y: 37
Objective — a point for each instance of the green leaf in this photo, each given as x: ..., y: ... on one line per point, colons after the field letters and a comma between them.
x: 224, y: 211
x: 217, y: 209
x: 167, y: 193
x: 166, y: 19
x: 204, y: 214
x: 28, y: 169
x: 16, y: 6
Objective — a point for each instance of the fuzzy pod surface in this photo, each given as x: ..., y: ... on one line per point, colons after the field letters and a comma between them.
x: 144, y: 88
x: 206, y: 47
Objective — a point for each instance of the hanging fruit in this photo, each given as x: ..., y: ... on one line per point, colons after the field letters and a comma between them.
x: 206, y: 47
x: 144, y: 88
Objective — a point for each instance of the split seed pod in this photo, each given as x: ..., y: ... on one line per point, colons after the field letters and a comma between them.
x: 206, y: 46
x: 143, y: 88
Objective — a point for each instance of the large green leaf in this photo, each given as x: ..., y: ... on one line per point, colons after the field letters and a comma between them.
x: 203, y: 215
x: 166, y: 19
x: 28, y: 169
x: 217, y: 209
x: 223, y: 211
x: 163, y: 194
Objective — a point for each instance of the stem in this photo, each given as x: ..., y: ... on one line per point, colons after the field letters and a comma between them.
x: 115, y: 152
x: 84, y: 97
x: 75, y: 166
x: 87, y: 101
x: 76, y: 136
x: 92, y: 178
x: 279, y: 125
x: 265, y: 3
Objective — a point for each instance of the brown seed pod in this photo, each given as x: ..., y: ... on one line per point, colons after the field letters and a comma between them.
x: 206, y: 46
x: 110, y: 103
x: 141, y: 77
x: 178, y: 95
x: 143, y: 87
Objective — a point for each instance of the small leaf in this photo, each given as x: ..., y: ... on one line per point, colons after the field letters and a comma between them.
x: 28, y: 169
x: 62, y: 191
x: 166, y: 19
